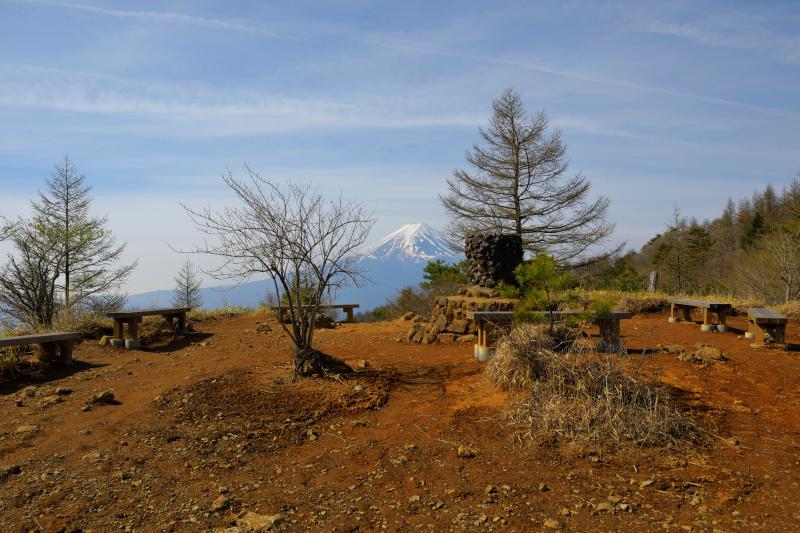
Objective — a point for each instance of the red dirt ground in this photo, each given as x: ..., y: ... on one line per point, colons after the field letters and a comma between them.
x: 217, y: 414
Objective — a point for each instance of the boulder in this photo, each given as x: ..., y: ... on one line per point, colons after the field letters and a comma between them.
x: 251, y: 522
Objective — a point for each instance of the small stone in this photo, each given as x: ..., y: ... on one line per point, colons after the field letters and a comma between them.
x: 101, y: 398
x: 414, y: 498
x: 250, y: 521
x: 544, y: 487
x: 551, y: 523
x: 358, y: 388
x: 8, y: 471
x: 604, y: 507
x: 490, y: 489
x: 29, y: 428
x: 466, y: 453
x: 410, y: 447
x: 312, y: 435
x: 104, y: 341
x: 221, y: 503
x: 646, y: 483
x: 613, y: 498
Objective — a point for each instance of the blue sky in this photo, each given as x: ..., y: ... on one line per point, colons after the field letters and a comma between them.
x: 661, y: 104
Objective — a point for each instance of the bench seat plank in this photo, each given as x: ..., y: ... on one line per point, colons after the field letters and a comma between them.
x: 706, y: 304
x: 40, y: 338
x: 149, y: 312
x: 766, y: 315
x: 506, y: 316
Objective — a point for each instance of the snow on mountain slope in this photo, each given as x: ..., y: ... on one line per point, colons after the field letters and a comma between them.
x: 411, y: 242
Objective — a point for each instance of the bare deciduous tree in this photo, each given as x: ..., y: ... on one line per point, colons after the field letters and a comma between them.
x: 771, y: 271
x: 89, y: 254
x: 187, y: 287
x: 519, y: 185
x: 296, y: 237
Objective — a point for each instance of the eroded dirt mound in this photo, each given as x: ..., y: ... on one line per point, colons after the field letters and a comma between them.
x: 266, y: 410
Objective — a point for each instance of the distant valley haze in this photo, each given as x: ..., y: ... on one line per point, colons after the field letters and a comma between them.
x: 660, y: 105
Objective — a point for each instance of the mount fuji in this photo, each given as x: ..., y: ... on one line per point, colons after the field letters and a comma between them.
x: 389, y: 264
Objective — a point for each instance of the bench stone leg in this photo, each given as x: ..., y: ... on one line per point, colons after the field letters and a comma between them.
x: 686, y: 313
x: 753, y: 331
x: 707, y: 325
x: 65, y: 349
x: 349, y: 312
x: 182, y: 324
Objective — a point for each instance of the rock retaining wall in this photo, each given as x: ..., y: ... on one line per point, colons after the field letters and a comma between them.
x: 449, y: 322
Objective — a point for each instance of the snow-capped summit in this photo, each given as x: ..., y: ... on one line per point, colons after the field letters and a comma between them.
x: 411, y: 242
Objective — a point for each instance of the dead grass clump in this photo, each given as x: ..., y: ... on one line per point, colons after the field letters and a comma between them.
x: 564, y: 392
x: 790, y: 309
x: 89, y: 325
x: 526, y: 354
x: 592, y: 400
x: 642, y: 303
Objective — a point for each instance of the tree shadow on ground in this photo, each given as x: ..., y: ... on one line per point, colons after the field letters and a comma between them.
x: 36, y: 375
x: 173, y: 344
x: 427, y: 379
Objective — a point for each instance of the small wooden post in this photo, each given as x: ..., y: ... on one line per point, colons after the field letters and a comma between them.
x: 609, y: 335
x: 652, y: 287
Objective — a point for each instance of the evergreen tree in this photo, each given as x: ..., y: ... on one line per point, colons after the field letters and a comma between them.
x: 88, y: 254
x: 187, y: 287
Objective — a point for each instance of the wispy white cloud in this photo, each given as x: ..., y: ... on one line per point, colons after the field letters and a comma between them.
x: 189, y: 110
x: 730, y: 34
x: 577, y: 75
x: 159, y: 16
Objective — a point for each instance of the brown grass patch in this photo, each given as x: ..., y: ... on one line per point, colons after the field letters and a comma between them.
x: 566, y: 393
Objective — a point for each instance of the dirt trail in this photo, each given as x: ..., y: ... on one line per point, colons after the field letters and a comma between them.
x: 212, y: 426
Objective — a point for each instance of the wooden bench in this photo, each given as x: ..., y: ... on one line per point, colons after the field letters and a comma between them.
x: 766, y: 326
x: 681, y: 309
x: 54, y: 345
x: 347, y: 308
x: 609, y: 324
x: 133, y: 318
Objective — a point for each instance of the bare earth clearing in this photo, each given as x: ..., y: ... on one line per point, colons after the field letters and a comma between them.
x: 213, y: 422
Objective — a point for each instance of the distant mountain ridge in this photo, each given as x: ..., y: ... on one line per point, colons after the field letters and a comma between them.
x: 390, y: 264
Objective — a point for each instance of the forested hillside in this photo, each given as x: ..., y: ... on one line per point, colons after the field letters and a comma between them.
x: 751, y: 250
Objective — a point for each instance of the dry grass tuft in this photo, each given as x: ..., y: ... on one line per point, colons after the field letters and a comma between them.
x: 564, y: 393
x: 524, y: 355
x: 790, y: 309
x: 643, y: 303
